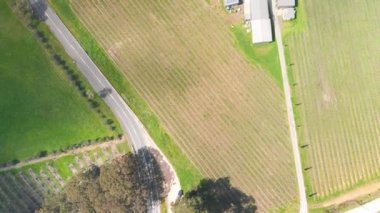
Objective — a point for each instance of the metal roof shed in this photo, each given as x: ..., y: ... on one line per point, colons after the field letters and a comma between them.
x: 288, y: 13
x: 259, y: 9
x: 261, y: 31
x: 286, y: 3
x: 228, y: 3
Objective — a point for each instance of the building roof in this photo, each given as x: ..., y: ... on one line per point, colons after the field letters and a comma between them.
x: 259, y: 9
x: 247, y: 9
x: 286, y: 3
x: 261, y: 31
x: 288, y: 14
x: 230, y: 2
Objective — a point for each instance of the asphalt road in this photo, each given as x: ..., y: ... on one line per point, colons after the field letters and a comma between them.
x: 130, y: 124
x: 136, y: 134
x: 292, y: 125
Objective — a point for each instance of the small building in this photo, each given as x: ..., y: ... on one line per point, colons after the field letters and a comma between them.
x: 286, y: 9
x: 259, y: 9
x: 288, y: 14
x: 261, y: 26
x: 286, y: 3
x: 229, y: 3
x: 261, y: 31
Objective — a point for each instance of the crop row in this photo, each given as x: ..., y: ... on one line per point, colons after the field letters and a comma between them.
x: 226, y: 116
x: 337, y: 88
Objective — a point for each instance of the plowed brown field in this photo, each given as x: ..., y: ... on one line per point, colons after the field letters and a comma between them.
x: 227, y: 116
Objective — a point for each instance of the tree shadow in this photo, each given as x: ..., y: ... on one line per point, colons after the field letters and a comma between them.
x: 150, y: 174
x: 219, y: 196
x: 39, y: 7
x: 131, y: 183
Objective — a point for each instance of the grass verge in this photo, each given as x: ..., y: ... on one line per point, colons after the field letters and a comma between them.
x: 297, y: 26
x: 264, y: 55
x: 300, y: 23
x: 62, y: 166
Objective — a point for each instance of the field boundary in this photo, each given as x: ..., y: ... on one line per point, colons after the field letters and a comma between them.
x: 303, y: 205
x: 321, y: 202
x: 351, y: 195
x: 298, y: 25
x: 67, y: 153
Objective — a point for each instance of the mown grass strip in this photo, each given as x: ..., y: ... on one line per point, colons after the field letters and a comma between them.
x: 264, y: 55
x: 62, y: 166
x: 123, y: 147
x: 188, y: 174
x: 297, y: 26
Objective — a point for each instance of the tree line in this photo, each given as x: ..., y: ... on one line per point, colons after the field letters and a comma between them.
x: 24, y: 10
x: 133, y: 182
x: 123, y: 185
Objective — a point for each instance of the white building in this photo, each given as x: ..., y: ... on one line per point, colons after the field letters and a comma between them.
x: 261, y: 26
x: 286, y: 9
x: 229, y: 3
x: 261, y: 31
x: 288, y: 13
x: 286, y: 3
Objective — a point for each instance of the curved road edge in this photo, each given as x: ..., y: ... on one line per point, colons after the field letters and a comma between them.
x: 137, y: 135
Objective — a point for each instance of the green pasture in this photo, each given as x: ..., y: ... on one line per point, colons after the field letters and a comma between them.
x: 39, y: 107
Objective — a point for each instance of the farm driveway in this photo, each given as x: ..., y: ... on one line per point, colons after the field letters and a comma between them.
x: 292, y: 126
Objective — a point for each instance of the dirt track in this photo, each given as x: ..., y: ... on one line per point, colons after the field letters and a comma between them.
x: 289, y: 106
x: 56, y: 156
x: 352, y: 195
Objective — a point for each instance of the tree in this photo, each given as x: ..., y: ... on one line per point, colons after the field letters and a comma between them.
x: 42, y: 154
x: 121, y: 186
x: 216, y: 196
x: 22, y: 8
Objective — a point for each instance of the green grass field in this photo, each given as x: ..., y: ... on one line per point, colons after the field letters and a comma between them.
x: 39, y: 107
x: 216, y: 99
x: 335, y: 56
